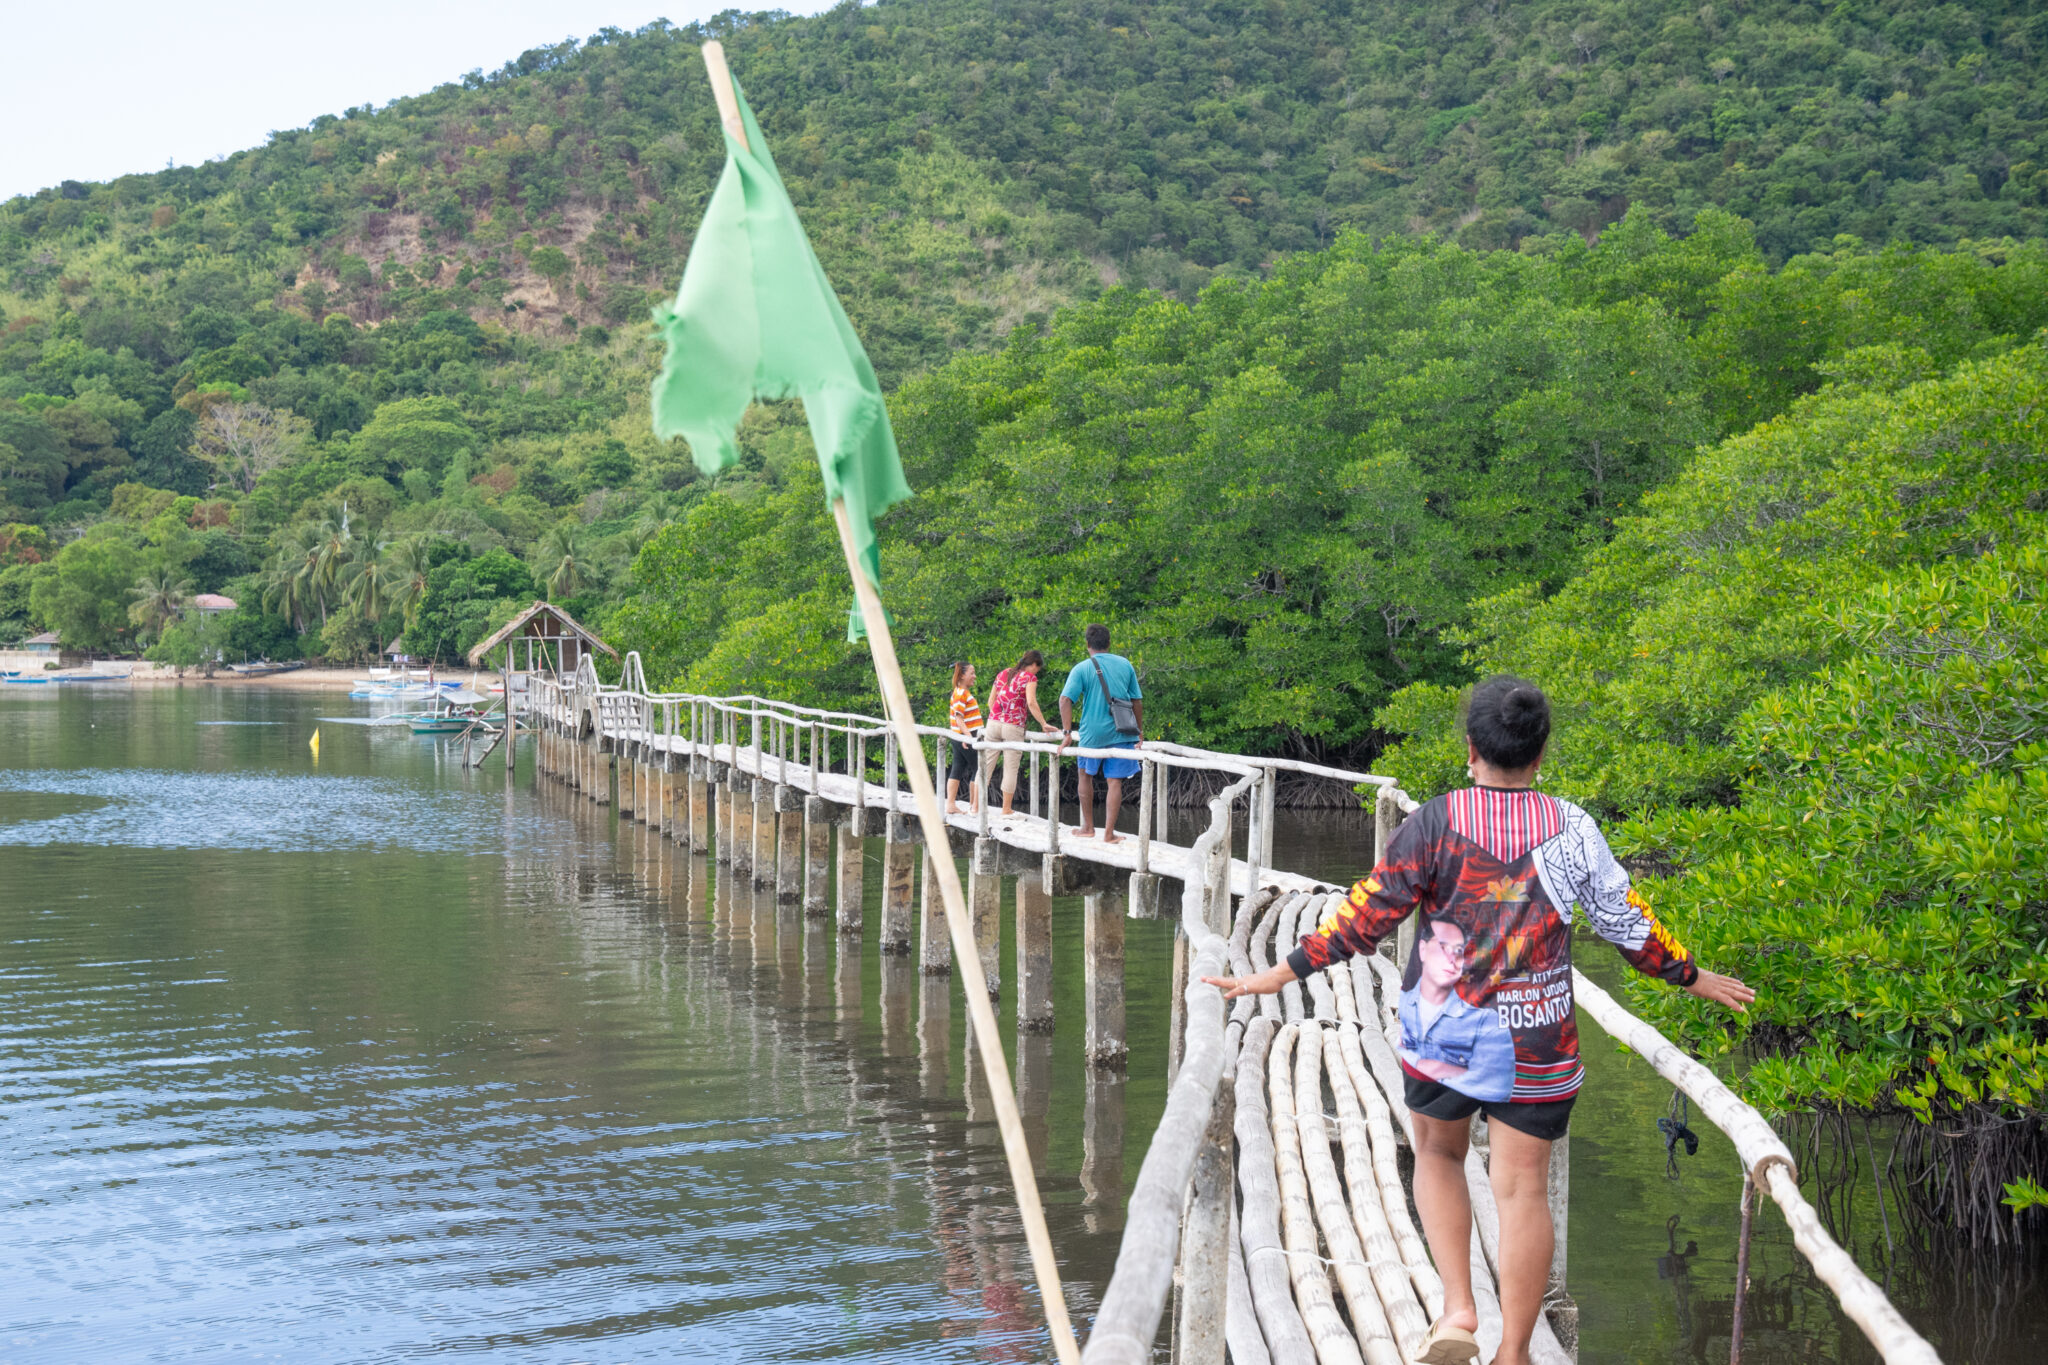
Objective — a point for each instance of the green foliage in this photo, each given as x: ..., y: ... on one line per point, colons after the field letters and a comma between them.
x: 1880, y: 882
x: 460, y: 601
x: 249, y: 633
x: 1704, y: 602
x: 85, y: 597
x: 1286, y: 498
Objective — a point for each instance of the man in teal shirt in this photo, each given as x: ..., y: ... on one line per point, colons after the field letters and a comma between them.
x: 1098, y: 727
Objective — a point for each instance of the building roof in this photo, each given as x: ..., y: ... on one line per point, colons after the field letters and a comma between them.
x: 213, y: 601
x: 541, y: 621
x: 48, y: 637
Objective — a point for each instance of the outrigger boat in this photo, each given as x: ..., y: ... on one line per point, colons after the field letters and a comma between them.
x: 455, y: 711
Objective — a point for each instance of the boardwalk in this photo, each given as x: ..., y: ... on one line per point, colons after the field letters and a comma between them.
x: 1271, y: 1190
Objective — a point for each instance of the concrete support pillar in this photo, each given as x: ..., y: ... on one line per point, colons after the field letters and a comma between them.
x: 934, y: 940
x: 764, y: 833
x: 852, y: 879
x: 740, y: 800
x: 899, y: 866
x: 1034, y: 956
x: 660, y: 792
x: 817, y: 857
x: 601, y: 778
x: 1102, y: 948
x: 700, y: 810
x: 789, y: 850
x: 629, y: 777
x: 985, y: 908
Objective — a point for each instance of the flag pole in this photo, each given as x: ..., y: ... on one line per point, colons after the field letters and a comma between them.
x: 938, y: 852
x: 939, y: 856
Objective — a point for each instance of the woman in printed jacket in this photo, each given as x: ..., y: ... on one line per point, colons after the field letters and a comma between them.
x: 1486, y: 1023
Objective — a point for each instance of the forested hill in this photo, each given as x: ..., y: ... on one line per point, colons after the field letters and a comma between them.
x: 967, y: 164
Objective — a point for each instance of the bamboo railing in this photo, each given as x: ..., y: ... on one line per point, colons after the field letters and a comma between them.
x: 1239, y: 1194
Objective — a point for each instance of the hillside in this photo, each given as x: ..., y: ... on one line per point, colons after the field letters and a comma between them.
x: 966, y: 166
x: 404, y: 340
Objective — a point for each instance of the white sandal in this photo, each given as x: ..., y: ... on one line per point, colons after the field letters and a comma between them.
x: 1448, y: 1346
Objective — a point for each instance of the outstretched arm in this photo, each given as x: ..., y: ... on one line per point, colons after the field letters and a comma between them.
x: 1375, y: 906
x: 1621, y: 916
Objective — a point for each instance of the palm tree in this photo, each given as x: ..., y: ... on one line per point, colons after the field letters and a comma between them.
x: 655, y: 514
x: 159, y: 598
x: 336, y: 548
x: 566, y: 560
x: 402, y: 576
x: 291, y: 580
x: 364, y: 582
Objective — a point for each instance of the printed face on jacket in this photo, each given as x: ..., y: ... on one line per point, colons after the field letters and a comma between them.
x: 1444, y: 1036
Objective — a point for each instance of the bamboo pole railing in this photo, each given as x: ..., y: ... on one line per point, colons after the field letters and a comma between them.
x: 1332, y: 1035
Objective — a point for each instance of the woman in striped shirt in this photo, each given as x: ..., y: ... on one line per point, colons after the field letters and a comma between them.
x: 965, y: 718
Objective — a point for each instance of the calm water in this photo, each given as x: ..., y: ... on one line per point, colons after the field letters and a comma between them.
x: 372, y: 1057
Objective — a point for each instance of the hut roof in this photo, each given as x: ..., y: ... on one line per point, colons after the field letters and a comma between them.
x: 542, y: 620
x: 48, y: 637
x: 213, y: 601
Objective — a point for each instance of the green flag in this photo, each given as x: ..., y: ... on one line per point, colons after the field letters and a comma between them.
x: 756, y: 318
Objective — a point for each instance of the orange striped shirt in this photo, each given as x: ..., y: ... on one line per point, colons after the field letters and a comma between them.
x: 966, y: 712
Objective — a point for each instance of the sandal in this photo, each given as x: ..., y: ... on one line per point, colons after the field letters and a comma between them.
x: 1448, y: 1346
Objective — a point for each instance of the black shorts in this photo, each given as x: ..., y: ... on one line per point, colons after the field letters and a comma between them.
x: 1546, y: 1119
x: 961, y: 767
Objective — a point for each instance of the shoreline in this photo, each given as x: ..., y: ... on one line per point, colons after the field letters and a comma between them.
x: 298, y: 679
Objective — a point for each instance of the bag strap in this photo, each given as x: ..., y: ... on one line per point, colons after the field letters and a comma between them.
x: 1107, y: 695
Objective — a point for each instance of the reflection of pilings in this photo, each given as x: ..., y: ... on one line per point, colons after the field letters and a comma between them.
x: 1034, y: 1094
x: 934, y: 941
x: 761, y: 921
x: 1102, y: 1150
x: 1102, y: 948
x: 817, y: 968
x: 897, y: 976
x: 789, y: 956
x: 1034, y: 956
x: 846, y: 990
x: 934, y: 1034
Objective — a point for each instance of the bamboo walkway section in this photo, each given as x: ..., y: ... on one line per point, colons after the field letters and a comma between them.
x: 1270, y: 1204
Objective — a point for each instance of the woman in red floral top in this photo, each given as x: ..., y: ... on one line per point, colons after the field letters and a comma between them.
x: 1486, y: 1017
x: 1015, y: 693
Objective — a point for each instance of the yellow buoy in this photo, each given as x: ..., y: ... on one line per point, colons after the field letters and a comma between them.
x: 314, y: 745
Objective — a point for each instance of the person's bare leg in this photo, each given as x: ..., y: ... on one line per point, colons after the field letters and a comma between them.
x: 1446, y: 1209
x: 1086, y: 828
x: 1111, y: 805
x: 952, y: 792
x: 1519, y: 1166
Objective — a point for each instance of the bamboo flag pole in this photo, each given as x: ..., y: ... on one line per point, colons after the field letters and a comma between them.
x: 938, y: 852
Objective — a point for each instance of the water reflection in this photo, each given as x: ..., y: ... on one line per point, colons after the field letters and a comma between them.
x: 279, y: 1043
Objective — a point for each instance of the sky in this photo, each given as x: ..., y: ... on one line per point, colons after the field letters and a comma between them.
x: 101, y: 90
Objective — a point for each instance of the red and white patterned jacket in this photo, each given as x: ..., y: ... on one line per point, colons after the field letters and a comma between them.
x: 1506, y: 867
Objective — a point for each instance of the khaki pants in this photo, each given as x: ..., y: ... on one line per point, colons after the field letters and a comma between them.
x: 1007, y: 734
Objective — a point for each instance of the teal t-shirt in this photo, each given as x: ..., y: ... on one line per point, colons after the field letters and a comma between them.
x: 1098, y: 731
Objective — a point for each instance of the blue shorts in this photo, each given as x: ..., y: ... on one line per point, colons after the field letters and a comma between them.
x: 1112, y: 767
